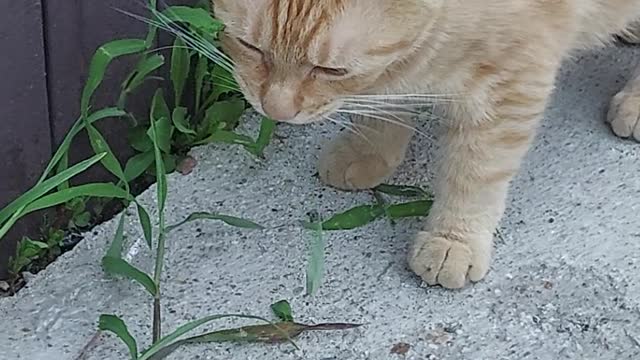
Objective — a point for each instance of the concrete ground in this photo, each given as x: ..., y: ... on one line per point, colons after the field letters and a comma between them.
x: 565, y: 283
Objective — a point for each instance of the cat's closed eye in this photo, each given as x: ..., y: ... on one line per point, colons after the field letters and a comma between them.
x: 249, y: 46
x: 331, y: 72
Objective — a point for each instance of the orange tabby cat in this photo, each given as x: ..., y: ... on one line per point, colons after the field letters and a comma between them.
x: 300, y: 61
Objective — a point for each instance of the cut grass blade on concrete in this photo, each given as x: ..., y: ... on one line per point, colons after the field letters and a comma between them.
x: 315, y: 268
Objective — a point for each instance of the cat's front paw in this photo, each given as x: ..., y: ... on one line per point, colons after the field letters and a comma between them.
x: 439, y: 260
x: 349, y: 164
x: 624, y: 113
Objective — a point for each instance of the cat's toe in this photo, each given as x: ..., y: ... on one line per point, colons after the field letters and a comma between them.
x: 348, y: 167
x: 449, y: 263
x: 624, y: 114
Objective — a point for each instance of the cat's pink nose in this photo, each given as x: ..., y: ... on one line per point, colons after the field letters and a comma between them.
x: 278, y: 103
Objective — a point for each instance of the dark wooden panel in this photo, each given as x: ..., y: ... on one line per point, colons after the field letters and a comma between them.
x: 25, y: 145
x: 75, y: 29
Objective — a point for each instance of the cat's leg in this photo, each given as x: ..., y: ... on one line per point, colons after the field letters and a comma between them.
x: 482, y: 150
x: 365, y: 155
x: 624, y: 111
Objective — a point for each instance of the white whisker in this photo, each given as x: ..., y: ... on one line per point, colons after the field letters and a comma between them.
x: 349, y: 126
x: 374, y: 115
x: 192, y: 40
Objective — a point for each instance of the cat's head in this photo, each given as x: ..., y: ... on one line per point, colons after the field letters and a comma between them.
x: 296, y: 59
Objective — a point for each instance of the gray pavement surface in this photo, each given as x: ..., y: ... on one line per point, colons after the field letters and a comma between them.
x: 565, y: 283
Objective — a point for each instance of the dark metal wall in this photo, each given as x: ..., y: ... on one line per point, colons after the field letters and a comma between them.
x: 45, y: 50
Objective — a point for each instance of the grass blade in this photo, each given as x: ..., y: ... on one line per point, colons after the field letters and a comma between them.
x: 144, y: 68
x: 267, y: 126
x: 181, y: 122
x: 145, y: 222
x: 137, y: 165
x: 115, y: 325
x: 180, y: 65
x: 118, y: 266
x: 223, y: 115
x: 169, y: 339
x: 60, y: 159
x: 315, y: 268
x: 229, y: 220
x: 202, y: 67
x: 161, y: 195
x: 110, y: 162
x: 153, y: 30
x: 160, y: 168
x: 10, y: 214
x: 161, y: 116
x: 353, y: 218
x: 115, y: 249
x: 410, y: 209
x: 99, y: 63
x: 98, y: 190
x: 276, y: 333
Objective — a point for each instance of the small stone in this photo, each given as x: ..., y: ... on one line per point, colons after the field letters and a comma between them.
x: 547, y: 285
x: 28, y: 277
x: 401, y: 348
x: 186, y: 166
x: 4, y: 286
x: 440, y: 336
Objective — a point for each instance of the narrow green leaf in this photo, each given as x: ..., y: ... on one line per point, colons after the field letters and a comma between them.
x: 229, y: 220
x: 161, y: 178
x: 201, y: 73
x: 267, y: 126
x: 180, y: 65
x: 99, y: 63
x: 315, y: 269
x: 153, y: 29
x: 223, y: 115
x: 145, y: 222
x: 15, y: 208
x: 223, y: 82
x: 116, y: 326
x: 115, y: 249
x: 97, y: 190
x: 138, y: 164
x: 181, y: 122
x: 60, y: 160
x: 282, y: 309
x: 161, y: 116
x: 410, y: 209
x: 354, y: 218
x: 139, y: 139
x: 118, y: 266
x: 99, y: 145
x: 169, y: 339
x: 144, y: 68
